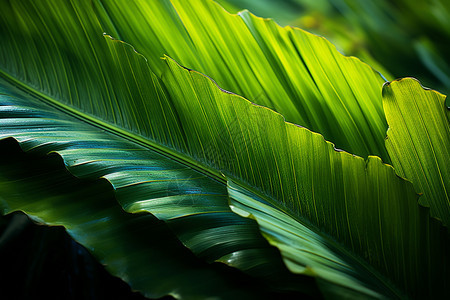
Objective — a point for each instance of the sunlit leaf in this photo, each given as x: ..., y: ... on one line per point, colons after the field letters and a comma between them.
x: 418, y: 141
x: 365, y: 214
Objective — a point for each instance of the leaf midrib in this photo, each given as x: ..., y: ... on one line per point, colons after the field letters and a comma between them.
x: 86, y: 118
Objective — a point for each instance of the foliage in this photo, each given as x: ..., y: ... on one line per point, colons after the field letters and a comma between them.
x: 407, y: 38
x: 229, y: 181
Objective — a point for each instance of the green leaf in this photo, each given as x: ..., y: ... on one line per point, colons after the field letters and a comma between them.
x: 305, y: 251
x: 88, y: 162
x: 383, y: 28
x: 136, y: 248
x: 300, y: 75
x: 418, y: 141
x: 361, y: 208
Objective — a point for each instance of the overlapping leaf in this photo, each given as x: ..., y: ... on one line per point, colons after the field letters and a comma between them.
x: 194, y: 206
x: 418, y: 141
x: 137, y: 248
x: 408, y: 38
x: 300, y: 75
x: 184, y: 115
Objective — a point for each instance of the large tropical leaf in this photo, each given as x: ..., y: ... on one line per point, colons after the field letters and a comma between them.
x: 418, y: 141
x: 407, y: 37
x: 185, y: 116
x: 85, y: 154
x: 300, y: 75
x: 195, y: 207
x: 193, y: 202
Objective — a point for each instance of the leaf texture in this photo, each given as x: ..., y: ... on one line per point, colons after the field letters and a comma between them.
x: 184, y: 115
x: 300, y: 75
x: 136, y: 247
x: 418, y: 141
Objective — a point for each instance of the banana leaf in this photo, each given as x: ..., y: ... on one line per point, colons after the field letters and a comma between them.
x: 194, y: 206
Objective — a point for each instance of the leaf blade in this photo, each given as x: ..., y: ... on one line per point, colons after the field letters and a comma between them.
x: 95, y: 218
x: 418, y: 141
x: 251, y: 140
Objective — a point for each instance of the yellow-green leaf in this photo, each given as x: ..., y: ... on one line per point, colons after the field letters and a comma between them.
x: 418, y: 141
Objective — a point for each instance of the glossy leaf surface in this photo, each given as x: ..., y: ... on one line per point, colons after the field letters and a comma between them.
x: 135, y: 247
x: 186, y: 117
x: 300, y: 75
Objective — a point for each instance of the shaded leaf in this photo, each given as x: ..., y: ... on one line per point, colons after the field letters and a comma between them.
x: 44, y: 262
x: 194, y: 206
x: 136, y: 247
